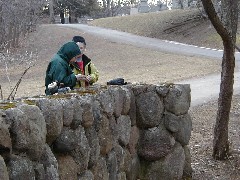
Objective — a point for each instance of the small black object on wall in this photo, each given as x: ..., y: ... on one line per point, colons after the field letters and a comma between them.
x: 117, y: 81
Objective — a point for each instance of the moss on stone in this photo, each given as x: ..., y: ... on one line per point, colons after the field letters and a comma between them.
x: 69, y: 95
x: 7, y: 105
x: 86, y: 92
x: 30, y: 102
x: 60, y: 96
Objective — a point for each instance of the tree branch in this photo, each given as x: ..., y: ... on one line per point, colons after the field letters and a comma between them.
x: 237, y: 48
x: 216, y: 22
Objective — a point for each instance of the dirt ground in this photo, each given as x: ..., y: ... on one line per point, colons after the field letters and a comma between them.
x: 112, y: 60
x: 135, y: 65
x: 204, y: 166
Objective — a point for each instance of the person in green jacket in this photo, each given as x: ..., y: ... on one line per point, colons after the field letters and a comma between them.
x: 84, y: 66
x: 58, y: 69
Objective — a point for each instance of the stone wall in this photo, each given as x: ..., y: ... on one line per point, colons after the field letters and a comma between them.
x: 111, y: 132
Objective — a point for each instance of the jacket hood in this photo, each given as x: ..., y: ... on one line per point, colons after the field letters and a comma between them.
x: 68, y: 51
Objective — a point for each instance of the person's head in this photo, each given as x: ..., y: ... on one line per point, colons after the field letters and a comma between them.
x: 80, y: 41
x: 69, y: 52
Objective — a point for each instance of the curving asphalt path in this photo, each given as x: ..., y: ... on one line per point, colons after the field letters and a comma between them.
x: 203, y: 89
x: 153, y: 43
x: 207, y: 88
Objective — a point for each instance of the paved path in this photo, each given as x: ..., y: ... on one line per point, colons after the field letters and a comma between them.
x: 153, y: 43
x: 207, y: 88
x: 203, y: 89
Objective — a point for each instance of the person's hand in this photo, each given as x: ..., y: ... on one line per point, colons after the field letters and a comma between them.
x: 52, y: 85
x: 89, y: 78
x: 80, y: 77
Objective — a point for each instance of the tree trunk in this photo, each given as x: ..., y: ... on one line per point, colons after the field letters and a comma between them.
x: 10, y: 35
x: 220, y: 142
x: 229, y: 19
x: 51, y: 11
x: 15, y: 40
x: 62, y: 17
x: 108, y: 8
x: 2, y: 28
x: 180, y: 2
x: 227, y: 29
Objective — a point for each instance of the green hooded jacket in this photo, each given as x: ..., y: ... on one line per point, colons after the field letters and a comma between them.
x: 59, y: 70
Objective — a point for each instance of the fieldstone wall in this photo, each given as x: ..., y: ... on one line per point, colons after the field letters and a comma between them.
x: 104, y: 133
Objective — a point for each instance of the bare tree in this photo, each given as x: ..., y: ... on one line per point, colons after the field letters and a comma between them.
x: 16, y: 19
x: 226, y: 28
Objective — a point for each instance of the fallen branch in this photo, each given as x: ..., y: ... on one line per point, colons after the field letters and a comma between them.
x: 1, y: 92
x: 14, y: 90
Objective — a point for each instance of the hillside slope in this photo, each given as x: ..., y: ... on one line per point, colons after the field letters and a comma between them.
x: 186, y: 26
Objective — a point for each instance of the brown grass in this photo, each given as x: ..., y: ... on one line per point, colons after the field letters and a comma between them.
x: 140, y: 64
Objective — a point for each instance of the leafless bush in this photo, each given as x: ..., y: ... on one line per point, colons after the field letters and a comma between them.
x: 17, y: 18
x: 24, y: 61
